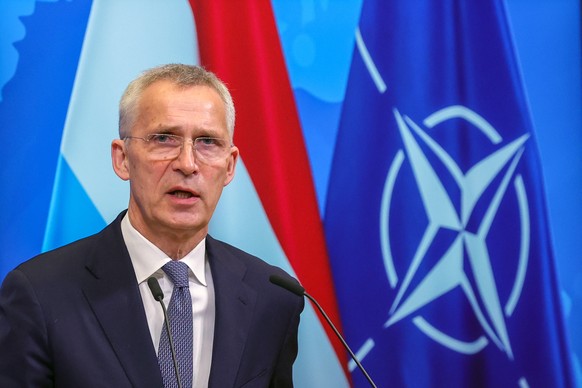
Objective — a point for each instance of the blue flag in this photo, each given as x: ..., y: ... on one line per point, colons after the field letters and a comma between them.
x: 435, y: 221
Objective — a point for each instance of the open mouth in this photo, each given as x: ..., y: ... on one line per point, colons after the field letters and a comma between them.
x: 181, y: 194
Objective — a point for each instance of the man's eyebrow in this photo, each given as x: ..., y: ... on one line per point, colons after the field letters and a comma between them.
x: 178, y: 131
x: 206, y: 132
x: 165, y: 129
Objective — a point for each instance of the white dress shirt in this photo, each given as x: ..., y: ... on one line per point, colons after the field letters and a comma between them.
x: 147, y: 260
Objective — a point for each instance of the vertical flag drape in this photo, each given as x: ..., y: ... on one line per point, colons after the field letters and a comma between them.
x: 239, y: 42
x: 435, y: 212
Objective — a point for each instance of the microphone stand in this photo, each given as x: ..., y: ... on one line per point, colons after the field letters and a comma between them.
x: 159, y: 296
x: 296, y: 288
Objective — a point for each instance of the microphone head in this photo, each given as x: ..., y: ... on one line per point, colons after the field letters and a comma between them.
x: 288, y: 284
x: 154, y: 286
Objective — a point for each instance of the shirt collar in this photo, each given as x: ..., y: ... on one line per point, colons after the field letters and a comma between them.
x: 147, y: 259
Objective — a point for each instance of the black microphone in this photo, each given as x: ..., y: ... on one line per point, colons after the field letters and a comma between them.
x: 158, y: 295
x: 296, y: 288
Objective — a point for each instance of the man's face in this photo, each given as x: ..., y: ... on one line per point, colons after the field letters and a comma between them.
x: 174, y: 198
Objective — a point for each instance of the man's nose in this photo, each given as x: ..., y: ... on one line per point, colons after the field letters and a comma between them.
x: 187, y: 161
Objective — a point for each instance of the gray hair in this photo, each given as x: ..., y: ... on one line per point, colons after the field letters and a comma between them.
x: 180, y: 75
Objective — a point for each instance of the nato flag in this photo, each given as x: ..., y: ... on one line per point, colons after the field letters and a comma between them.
x: 435, y: 221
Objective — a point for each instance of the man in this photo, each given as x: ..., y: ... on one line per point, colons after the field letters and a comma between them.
x: 83, y: 315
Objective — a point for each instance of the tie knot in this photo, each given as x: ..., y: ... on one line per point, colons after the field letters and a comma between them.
x: 178, y: 272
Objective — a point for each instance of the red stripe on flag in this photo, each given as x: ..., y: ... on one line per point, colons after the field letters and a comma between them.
x: 238, y: 40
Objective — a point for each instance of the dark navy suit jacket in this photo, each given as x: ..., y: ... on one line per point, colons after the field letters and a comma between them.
x: 73, y: 317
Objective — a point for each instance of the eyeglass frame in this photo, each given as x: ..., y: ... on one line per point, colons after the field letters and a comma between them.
x: 182, y: 140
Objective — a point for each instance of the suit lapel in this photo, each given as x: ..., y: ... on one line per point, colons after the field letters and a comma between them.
x: 114, y: 297
x: 235, y: 302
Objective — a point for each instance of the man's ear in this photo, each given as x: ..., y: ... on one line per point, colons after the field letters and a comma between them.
x: 231, y: 165
x: 119, y: 159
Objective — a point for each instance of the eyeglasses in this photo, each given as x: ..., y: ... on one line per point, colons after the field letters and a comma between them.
x: 163, y: 146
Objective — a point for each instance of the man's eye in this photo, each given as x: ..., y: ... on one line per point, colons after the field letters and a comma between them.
x: 161, y: 138
x: 207, y: 140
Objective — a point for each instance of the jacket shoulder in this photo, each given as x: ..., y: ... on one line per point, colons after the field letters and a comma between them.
x: 254, y: 266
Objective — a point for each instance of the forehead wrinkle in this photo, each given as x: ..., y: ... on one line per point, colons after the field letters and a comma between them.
x: 183, y: 116
x: 197, y: 131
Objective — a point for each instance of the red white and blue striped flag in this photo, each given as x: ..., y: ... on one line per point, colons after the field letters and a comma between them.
x: 72, y: 63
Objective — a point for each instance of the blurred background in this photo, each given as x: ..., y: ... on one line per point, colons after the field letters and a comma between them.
x: 64, y: 65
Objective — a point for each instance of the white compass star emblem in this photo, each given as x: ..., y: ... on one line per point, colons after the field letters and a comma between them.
x: 449, y: 271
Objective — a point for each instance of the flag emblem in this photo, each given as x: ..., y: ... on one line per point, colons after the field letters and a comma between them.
x: 461, y: 258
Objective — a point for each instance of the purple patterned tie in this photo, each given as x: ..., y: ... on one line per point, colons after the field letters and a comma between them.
x: 180, y: 317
